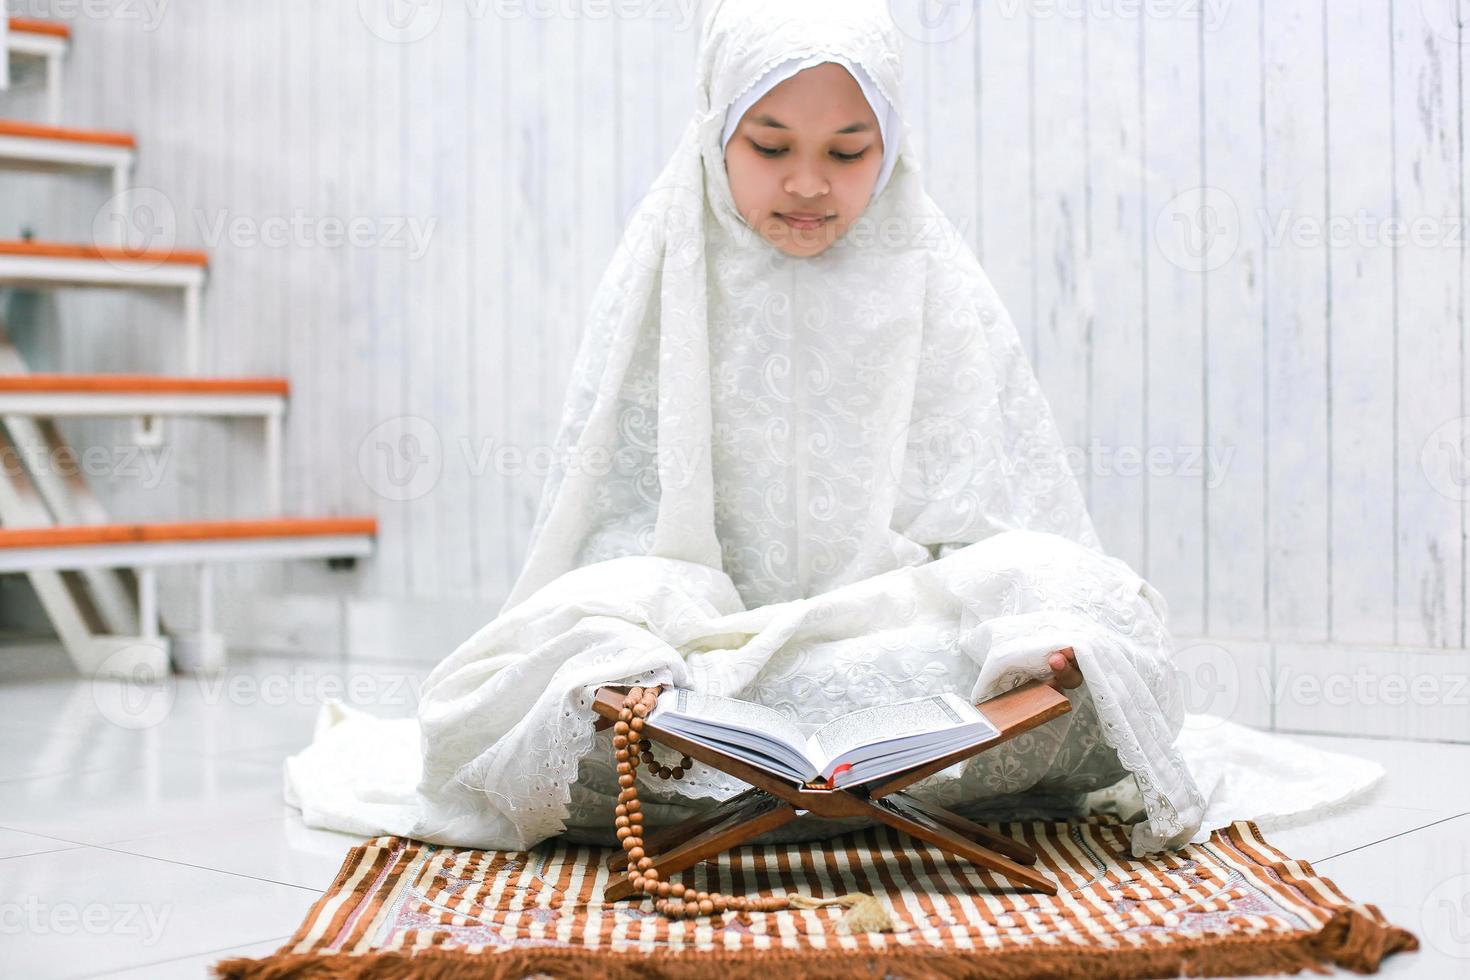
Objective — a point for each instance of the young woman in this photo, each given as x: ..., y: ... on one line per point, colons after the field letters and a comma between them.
x: 804, y: 461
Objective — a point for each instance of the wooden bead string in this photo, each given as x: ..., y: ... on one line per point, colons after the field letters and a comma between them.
x: 669, y: 898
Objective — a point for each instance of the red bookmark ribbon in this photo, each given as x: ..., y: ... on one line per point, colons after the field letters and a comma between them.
x: 832, y: 779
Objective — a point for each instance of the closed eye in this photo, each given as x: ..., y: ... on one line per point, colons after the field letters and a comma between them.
x: 769, y: 151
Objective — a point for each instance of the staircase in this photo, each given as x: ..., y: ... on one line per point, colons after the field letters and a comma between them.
x: 96, y: 578
x: 45, y: 42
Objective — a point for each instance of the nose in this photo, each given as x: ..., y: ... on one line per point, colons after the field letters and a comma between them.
x: 806, y: 181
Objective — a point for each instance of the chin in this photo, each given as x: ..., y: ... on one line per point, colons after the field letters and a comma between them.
x: 802, y: 253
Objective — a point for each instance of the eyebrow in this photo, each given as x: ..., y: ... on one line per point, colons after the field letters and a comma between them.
x: 774, y: 123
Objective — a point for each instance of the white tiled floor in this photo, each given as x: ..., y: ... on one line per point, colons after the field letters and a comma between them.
x: 147, y: 838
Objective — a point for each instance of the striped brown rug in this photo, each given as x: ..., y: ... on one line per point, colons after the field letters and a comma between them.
x: 1229, y: 907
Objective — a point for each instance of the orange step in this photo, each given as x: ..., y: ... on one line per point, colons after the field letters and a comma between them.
x: 30, y: 25
x: 147, y: 384
x: 102, y: 253
x: 96, y: 137
x: 235, y: 530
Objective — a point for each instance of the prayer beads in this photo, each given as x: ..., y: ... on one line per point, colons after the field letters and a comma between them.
x: 671, y: 899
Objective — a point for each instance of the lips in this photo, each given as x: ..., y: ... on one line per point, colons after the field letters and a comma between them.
x: 803, y: 222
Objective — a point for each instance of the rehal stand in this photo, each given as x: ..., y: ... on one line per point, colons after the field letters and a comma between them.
x: 772, y: 801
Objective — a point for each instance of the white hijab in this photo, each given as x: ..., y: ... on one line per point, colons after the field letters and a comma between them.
x: 802, y: 423
x: 886, y: 115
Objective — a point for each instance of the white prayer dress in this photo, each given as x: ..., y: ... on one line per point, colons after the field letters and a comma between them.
x: 817, y: 483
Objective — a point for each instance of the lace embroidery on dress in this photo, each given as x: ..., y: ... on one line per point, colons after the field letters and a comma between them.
x: 815, y: 482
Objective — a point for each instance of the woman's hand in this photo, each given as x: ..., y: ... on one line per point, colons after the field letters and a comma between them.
x: 1064, y: 670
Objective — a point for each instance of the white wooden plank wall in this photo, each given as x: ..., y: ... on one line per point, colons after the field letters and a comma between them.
x: 1067, y: 142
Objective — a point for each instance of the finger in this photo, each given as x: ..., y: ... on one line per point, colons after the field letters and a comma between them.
x: 1065, y: 680
x: 1065, y: 674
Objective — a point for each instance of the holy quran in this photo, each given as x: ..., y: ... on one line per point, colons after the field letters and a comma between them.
x: 852, y: 749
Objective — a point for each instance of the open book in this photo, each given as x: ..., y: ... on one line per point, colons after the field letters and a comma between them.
x: 856, y: 748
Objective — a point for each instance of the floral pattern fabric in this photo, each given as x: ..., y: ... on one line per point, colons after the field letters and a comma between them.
x: 819, y: 483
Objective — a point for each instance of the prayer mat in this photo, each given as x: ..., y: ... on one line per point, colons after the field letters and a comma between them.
x: 1229, y: 907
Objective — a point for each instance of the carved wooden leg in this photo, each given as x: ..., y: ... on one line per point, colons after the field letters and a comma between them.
x: 667, y: 838
x: 753, y: 819
x: 980, y: 834
x: 898, y: 814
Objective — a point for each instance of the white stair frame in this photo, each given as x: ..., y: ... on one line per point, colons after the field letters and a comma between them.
x: 91, y: 644
x: 200, y: 551
x: 58, y: 499
x: 269, y: 408
x: 52, y: 272
x: 202, y: 651
x: 52, y: 50
x: 68, y: 500
x: 42, y: 154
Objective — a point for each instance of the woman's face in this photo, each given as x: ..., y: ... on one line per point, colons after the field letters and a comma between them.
x: 810, y: 148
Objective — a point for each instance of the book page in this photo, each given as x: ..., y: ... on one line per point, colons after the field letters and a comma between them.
x: 888, y: 722
x: 728, y: 713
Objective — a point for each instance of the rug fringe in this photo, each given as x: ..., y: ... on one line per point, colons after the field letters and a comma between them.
x: 1355, y: 942
x: 1349, y: 939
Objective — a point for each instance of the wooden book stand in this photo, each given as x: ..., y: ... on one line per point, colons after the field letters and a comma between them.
x: 772, y: 801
